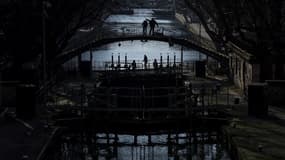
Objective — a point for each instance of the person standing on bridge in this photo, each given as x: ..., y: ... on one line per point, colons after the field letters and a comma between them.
x: 155, y: 64
x: 134, y: 65
x: 145, y: 61
x: 144, y: 25
x: 152, y: 24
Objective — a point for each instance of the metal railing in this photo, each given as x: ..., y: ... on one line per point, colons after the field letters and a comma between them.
x: 188, y: 66
x: 156, y: 99
x: 101, y: 34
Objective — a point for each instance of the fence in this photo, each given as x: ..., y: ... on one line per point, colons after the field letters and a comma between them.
x: 102, y: 34
x: 156, y: 99
x: 73, y: 65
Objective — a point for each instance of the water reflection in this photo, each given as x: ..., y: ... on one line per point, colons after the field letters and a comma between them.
x: 101, y: 146
x: 135, y: 50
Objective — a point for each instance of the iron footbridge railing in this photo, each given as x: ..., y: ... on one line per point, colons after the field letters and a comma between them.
x: 77, y: 46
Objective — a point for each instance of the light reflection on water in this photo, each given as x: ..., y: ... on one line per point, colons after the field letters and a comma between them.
x: 162, y: 147
x: 135, y: 50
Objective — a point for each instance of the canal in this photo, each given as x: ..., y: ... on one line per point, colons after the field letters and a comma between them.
x: 93, y: 144
x: 179, y: 145
x: 135, y: 50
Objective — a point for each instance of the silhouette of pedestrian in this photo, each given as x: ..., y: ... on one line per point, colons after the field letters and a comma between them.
x: 144, y: 25
x: 152, y: 24
x: 155, y: 64
x: 134, y: 65
x: 145, y: 61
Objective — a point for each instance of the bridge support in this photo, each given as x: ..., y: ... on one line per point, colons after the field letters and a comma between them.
x: 200, y: 69
x: 85, y: 66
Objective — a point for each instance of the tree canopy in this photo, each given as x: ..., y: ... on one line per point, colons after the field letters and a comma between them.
x: 255, y: 25
x: 22, y: 24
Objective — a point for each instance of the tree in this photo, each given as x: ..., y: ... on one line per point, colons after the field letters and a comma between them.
x: 22, y: 24
x: 254, y: 25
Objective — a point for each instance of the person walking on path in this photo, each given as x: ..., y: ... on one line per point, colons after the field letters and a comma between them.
x: 144, y: 25
x: 152, y: 24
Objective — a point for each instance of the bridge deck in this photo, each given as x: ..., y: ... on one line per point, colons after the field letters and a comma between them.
x: 114, y: 32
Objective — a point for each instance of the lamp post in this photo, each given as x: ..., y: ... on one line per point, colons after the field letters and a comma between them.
x: 44, y: 40
x: 45, y: 5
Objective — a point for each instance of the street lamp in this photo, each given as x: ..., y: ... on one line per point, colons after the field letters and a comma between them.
x: 45, y: 5
x: 44, y: 40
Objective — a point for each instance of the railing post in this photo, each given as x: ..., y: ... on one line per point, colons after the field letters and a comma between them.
x: 174, y: 61
x: 119, y: 63
x: 126, y: 61
x: 168, y: 60
x: 112, y: 63
x: 161, y: 65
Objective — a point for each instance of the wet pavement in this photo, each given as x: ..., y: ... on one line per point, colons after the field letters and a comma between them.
x: 130, y: 24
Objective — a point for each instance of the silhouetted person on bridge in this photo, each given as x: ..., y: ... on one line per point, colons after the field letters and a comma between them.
x: 144, y: 25
x: 155, y: 64
x: 152, y: 24
x: 134, y: 65
x: 145, y: 61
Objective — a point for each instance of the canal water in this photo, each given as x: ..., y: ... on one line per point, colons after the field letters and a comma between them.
x: 170, y: 146
x: 155, y: 146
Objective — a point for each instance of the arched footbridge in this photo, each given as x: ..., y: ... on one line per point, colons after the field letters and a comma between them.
x: 202, y: 45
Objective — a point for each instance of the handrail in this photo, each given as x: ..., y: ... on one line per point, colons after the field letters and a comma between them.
x: 194, y: 39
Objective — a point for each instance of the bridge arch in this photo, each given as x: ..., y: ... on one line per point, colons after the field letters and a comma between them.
x: 69, y: 54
